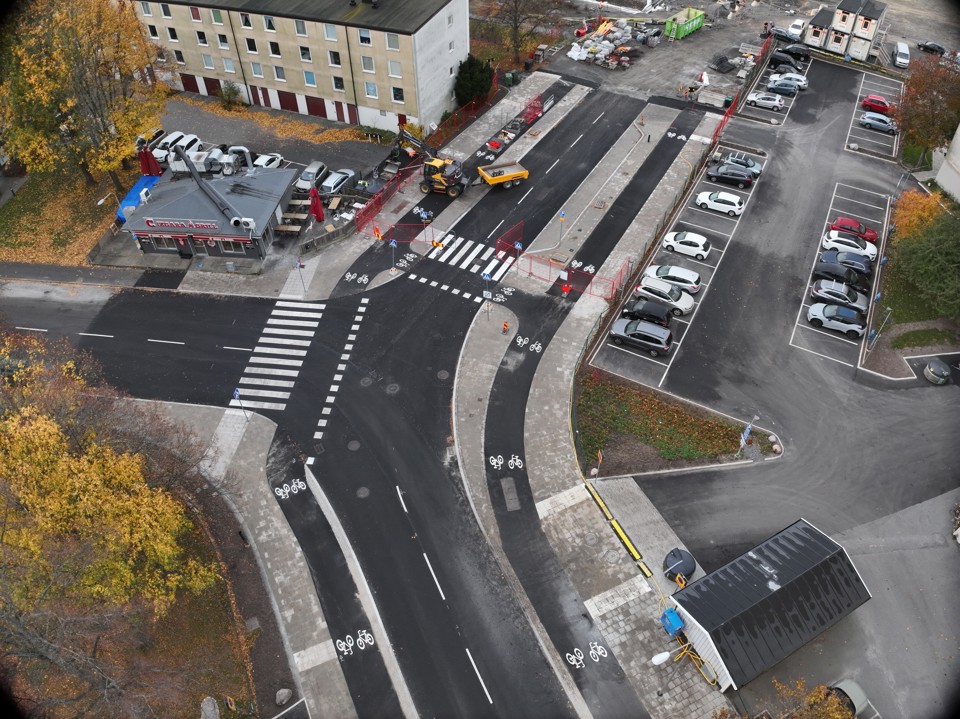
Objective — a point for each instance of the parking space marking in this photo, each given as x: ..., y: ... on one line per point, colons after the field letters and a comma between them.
x: 641, y: 356
x: 818, y: 354
x: 859, y: 202
x: 861, y: 189
x: 707, y: 229
x: 714, y: 213
x: 811, y: 328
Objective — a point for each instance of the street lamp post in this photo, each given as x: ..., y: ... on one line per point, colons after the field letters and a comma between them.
x: 104, y: 199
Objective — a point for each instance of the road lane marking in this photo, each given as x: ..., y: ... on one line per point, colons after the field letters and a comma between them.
x: 525, y: 196
x: 598, y: 117
x: 94, y: 334
x: 474, y: 664
x: 552, y: 166
x: 165, y: 342
x: 239, y: 349
x: 501, y: 221
x: 685, y: 223
x: 402, y: 503
x: 577, y: 140
x: 430, y: 567
x: 31, y: 329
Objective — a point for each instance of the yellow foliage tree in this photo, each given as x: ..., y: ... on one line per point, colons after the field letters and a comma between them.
x: 78, y: 86
x: 914, y: 213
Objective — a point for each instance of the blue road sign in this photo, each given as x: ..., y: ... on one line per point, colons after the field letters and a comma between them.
x: 562, y: 214
x: 486, y: 275
x: 393, y: 243
x: 518, y: 245
x: 236, y: 393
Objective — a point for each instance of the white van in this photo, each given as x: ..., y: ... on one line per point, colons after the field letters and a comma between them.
x: 901, y: 56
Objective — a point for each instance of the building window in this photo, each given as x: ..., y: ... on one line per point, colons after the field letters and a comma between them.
x: 279, y: 73
x: 152, y: 29
x: 305, y: 54
x: 268, y: 24
x: 216, y: 17
x: 450, y: 20
x: 230, y: 247
x: 245, y: 21
x: 844, y: 17
x: 201, y: 38
x: 274, y: 49
x: 330, y: 32
x: 838, y: 38
x: 165, y: 10
x: 164, y: 242
x: 365, y: 38
x: 395, y: 69
x: 228, y: 65
x: 195, y: 13
x: 145, y: 9
x: 393, y: 41
x: 207, y: 61
x: 334, y: 58
x: 301, y: 27
x: 366, y: 63
x: 451, y: 71
x: 338, y: 83
x: 450, y: 46
x: 398, y: 94
x: 172, y: 34
x: 371, y: 89
x: 309, y: 79
x: 251, y: 45
x: 178, y: 56
x: 865, y: 24
x: 222, y: 41
x: 816, y: 33
x: 257, y: 69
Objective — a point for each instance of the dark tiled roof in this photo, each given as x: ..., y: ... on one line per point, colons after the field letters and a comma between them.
x: 850, y: 5
x: 823, y: 18
x: 770, y: 601
x: 872, y: 9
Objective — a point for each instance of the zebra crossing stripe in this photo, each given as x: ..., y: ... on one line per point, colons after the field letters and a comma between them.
x: 437, y: 250
x: 266, y: 382
x: 254, y: 404
x: 244, y: 392
x: 503, y: 269
x: 302, y: 305
x: 493, y: 263
x: 292, y: 323
x: 450, y: 250
x: 276, y: 360
x: 284, y: 341
x: 482, y: 259
x: 261, y: 349
x: 272, y: 371
x: 476, y: 251
x: 285, y: 331
x: 292, y: 313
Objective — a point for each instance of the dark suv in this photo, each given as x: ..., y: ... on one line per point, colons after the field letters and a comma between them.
x: 781, y: 58
x: 795, y: 50
x: 648, y: 312
x: 839, y: 273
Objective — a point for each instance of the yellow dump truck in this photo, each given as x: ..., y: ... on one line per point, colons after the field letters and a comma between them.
x: 507, y: 174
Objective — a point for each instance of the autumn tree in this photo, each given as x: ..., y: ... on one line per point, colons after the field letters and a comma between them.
x: 523, y: 19
x: 931, y: 263
x: 914, y: 212
x: 797, y: 701
x: 929, y: 108
x: 77, y: 86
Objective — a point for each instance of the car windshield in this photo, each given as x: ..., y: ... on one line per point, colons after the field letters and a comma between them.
x: 850, y: 294
x: 631, y: 327
x: 681, y: 235
x: 674, y: 294
x: 307, y: 175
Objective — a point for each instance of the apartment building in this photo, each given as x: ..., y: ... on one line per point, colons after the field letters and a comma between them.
x: 380, y: 63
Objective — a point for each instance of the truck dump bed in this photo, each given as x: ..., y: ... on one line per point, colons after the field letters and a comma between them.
x: 507, y: 174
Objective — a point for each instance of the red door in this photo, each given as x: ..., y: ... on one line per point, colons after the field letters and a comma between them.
x: 401, y: 120
x: 316, y: 106
x: 255, y: 94
x: 339, y: 106
x: 288, y: 101
x: 354, y: 120
x: 213, y: 86
x: 189, y: 82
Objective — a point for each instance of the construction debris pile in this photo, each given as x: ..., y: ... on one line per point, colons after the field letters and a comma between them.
x: 613, y: 44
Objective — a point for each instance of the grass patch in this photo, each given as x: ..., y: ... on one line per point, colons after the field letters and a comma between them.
x: 903, y: 297
x: 606, y: 406
x: 911, y: 157
x: 924, y: 338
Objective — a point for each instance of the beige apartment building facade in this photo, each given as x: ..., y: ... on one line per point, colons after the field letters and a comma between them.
x: 378, y: 63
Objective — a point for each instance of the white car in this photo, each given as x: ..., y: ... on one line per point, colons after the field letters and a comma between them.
x: 687, y: 243
x: 270, y: 160
x: 796, y: 28
x: 795, y: 77
x: 721, y: 202
x: 681, y: 277
x: 834, y: 317
x: 679, y: 302
x: 765, y: 99
x: 846, y: 242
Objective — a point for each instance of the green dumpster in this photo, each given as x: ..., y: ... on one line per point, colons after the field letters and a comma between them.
x: 683, y: 23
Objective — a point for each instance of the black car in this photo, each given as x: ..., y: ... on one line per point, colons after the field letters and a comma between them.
x: 801, y: 52
x: 647, y: 311
x: 783, y: 87
x: 781, y: 33
x: 934, y: 47
x: 839, y: 273
x: 858, y: 263
x: 781, y: 58
x: 730, y: 175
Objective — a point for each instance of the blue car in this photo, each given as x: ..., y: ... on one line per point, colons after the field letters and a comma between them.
x: 783, y: 87
x: 858, y: 263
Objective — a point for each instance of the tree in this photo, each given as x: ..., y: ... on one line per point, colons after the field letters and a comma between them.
x: 929, y: 109
x: 474, y: 80
x: 796, y: 701
x: 931, y: 263
x: 230, y: 95
x: 77, y: 86
x: 523, y: 18
x: 914, y: 212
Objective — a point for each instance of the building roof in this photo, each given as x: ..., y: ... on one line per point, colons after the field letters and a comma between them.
x: 770, y: 601
x: 401, y: 16
x: 850, y: 5
x: 873, y: 9
x: 823, y: 18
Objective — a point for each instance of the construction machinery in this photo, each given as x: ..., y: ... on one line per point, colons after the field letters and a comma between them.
x: 440, y: 174
x: 507, y: 174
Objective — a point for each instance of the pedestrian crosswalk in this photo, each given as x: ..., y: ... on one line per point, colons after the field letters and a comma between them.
x: 473, y: 256
x: 273, y: 367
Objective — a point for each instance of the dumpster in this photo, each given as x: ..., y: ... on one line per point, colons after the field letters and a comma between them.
x: 684, y: 22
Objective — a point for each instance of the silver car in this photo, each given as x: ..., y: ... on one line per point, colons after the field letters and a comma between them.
x: 876, y: 121
x: 679, y: 302
x: 837, y: 293
x: 679, y: 276
x: 765, y: 99
x: 795, y: 77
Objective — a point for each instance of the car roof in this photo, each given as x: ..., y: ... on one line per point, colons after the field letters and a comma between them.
x: 875, y: 97
x: 680, y: 271
x: 727, y: 196
x: 650, y: 307
x: 845, y: 312
x: 650, y: 328
x: 656, y: 283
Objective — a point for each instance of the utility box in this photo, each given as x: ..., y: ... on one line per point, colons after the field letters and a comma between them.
x: 684, y: 22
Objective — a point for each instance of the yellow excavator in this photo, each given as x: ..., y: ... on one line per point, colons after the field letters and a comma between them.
x: 440, y: 174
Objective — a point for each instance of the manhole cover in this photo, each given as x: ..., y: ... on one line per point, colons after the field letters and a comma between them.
x: 363, y: 493
x: 443, y: 374
x: 366, y: 381
x: 591, y: 539
x: 612, y: 556
x: 393, y: 388
x: 353, y: 445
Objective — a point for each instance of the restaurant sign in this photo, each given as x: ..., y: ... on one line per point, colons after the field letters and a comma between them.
x: 180, y: 224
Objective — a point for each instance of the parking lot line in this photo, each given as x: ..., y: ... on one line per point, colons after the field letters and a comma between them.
x: 707, y: 229
x: 635, y: 354
x: 811, y: 328
x: 859, y: 202
x: 818, y: 354
x: 859, y: 189
x: 714, y: 213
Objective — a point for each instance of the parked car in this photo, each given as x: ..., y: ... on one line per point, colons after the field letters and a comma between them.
x: 797, y: 50
x: 187, y: 143
x: 730, y: 175
x: 721, y: 202
x: 796, y: 27
x: 163, y: 147
x: 848, y: 224
x: 679, y: 302
x: 782, y: 58
x: 795, y: 77
x: 837, y: 293
x: 934, y: 47
x: 846, y: 241
x: 336, y: 182
x: 839, y: 273
x: 876, y: 121
x: 677, y: 276
x: 687, y: 243
x: 742, y: 159
x: 269, y: 160
x: 648, y: 311
x: 858, y: 263
x: 312, y: 176
x: 782, y: 33
x: 766, y: 100
x: 656, y: 340
x: 876, y: 103
x: 150, y: 139
x: 783, y: 87
x: 834, y: 317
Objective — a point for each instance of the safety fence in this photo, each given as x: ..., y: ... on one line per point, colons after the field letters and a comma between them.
x: 461, y: 116
x: 373, y: 206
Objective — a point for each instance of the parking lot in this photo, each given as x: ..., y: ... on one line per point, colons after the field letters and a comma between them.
x: 872, y: 140
x: 719, y: 229
x: 757, y: 108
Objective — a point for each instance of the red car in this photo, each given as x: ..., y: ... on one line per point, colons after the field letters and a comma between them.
x: 846, y: 224
x: 876, y: 103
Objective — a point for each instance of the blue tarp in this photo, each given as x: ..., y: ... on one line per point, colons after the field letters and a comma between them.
x: 132, y: 198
